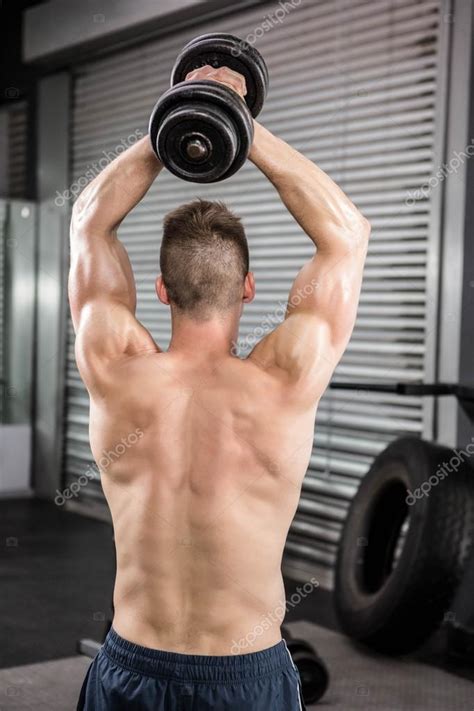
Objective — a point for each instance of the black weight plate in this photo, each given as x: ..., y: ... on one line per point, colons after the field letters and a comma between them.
x: 299, y: 646
x: 219, y: 50
x: 237, y: 43
x: 313, y: 671
x: 209, y: 124
x: 214, y: 94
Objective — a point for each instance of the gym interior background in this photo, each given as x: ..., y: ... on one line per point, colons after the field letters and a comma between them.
x: 379, y: 93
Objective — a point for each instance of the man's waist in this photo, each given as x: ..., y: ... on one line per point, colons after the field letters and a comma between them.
x: 194, y: 667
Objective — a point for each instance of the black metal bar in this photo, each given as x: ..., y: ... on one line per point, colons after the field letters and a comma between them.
x: 465, y: 392
x: 461, y: 392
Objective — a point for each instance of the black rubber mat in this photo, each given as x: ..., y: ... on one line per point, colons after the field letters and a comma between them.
x: 56, y: 580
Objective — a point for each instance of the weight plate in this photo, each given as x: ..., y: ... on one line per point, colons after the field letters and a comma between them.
x: 217, y: 50
x: 215, y: 131
x: 187, y: 98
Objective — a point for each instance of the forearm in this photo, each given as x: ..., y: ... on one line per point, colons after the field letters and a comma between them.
x: 106, y: 201
x: 320, y: 207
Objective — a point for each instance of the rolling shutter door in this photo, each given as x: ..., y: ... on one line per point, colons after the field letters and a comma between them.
x: 354, y: 86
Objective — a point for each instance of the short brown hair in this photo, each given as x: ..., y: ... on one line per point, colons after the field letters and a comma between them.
x: 204, y: 257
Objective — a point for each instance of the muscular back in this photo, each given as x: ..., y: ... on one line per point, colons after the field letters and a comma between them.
x: 201, y: 498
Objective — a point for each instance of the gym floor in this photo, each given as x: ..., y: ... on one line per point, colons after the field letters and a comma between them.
x: 65, y: 564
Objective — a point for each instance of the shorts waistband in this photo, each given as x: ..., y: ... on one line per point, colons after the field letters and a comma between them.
x: 191, y: 667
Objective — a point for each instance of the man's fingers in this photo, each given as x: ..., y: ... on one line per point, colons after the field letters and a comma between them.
x: 233, y: 79
x: 231, y: 86
x: 201, y: 72
x: 223, y: 75
x: 237, y: 79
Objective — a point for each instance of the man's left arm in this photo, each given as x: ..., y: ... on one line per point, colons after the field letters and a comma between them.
x: 102, y: 292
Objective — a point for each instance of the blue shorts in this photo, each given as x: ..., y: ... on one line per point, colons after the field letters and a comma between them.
x: 125, y: 676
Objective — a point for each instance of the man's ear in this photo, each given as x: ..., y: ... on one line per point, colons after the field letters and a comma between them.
x: 161, y: 292
x: 249, y: 288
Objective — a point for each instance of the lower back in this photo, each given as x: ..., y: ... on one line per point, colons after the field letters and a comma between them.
x: 197, y: 578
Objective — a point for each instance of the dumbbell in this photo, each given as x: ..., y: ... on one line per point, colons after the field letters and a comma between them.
x: 202, y: 131
x: 312, y: 670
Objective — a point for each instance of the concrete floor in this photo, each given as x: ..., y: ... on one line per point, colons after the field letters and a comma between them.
x: 49, y: 686
x: 359, y: 681
x: 366, y: 682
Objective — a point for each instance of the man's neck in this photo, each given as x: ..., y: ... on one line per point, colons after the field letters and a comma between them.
x: 214, y: 336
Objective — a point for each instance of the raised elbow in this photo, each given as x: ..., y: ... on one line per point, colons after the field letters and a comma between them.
x: 83, y: 213
x: 357, y: 230
x: 365, y: 227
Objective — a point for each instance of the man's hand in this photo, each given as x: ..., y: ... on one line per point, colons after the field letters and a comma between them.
x: 223, y: 75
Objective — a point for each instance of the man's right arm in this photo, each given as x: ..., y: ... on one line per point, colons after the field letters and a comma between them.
x: 323, y: 301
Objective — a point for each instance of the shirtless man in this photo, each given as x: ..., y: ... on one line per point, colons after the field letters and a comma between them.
x: 214, y: 448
